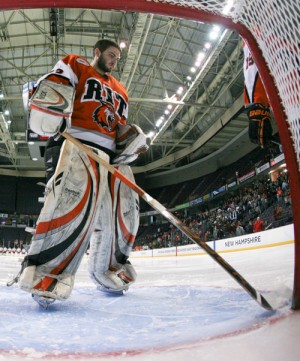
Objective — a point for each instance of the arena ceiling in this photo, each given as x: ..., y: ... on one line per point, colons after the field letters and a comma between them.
x: 184, y: 79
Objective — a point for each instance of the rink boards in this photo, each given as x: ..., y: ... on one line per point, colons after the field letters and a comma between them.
x: 269, y: 238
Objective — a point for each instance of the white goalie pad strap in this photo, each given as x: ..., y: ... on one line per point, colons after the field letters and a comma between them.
x: 64, y: 226
x: 112, y: 241
x: 131, y: 142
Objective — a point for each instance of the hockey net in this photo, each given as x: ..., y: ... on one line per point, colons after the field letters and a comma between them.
x: 271, y: 30
x: 274, y: 25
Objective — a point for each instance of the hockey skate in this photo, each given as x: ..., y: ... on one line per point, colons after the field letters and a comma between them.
x: 110, y: 291
x: 109, y: 283
x: 42, y: 301
x: 116, y: 283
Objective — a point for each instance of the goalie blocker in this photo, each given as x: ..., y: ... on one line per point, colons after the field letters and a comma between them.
x: 260, y: 129
x: 51, y: 106
x: 82, y: 207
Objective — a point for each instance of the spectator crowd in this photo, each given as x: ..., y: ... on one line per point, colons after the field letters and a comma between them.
x: 253, y: 208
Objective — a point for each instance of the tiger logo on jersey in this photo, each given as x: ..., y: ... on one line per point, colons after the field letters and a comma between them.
x: 104, y: 116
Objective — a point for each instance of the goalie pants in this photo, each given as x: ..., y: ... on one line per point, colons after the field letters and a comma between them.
x: 85, y: 205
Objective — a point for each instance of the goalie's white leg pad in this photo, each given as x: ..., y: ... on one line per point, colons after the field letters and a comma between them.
x: 112, y: 241
x: 102, y: 238
x: 27, y: 278
x: 64, y: 226
x: 127, y: 216
x: 38, y: 284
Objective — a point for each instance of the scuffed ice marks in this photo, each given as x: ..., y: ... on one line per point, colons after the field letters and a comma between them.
x: 145, y: 317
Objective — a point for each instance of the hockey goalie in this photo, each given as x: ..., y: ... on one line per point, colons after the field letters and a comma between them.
x: 84, y: 204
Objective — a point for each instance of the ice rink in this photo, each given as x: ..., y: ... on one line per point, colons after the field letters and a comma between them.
x: 180, y: 308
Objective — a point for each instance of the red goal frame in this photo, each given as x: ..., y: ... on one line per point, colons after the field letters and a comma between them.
x: 169, y: 9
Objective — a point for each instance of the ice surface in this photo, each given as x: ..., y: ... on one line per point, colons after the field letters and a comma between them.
x: 180, y: 308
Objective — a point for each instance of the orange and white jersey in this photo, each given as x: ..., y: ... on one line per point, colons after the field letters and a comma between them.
x: 254, y: 91
x: 101, y: 102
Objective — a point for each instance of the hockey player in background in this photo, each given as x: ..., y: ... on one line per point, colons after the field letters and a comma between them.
x: 256, y: 103
x: 84, y: 205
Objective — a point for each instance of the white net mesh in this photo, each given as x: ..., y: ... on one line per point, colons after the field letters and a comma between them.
x: 275, y: 24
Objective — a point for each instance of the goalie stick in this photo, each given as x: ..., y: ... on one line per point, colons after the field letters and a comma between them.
x: 176, y: 222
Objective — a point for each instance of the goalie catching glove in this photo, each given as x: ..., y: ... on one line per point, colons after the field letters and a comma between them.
x: 260, y: 128
x: 51, y: 106
x: 130, y: 143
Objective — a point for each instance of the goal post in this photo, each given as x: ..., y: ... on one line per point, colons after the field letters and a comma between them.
x: 271, y: 30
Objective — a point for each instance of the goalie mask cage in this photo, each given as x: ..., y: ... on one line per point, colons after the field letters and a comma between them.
x: 271, y: 30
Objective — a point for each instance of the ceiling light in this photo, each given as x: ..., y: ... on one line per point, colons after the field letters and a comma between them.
x: 180, y: 90
x: 213, y: 35
x: 150, y: 134
x: 34, y: 159
x: 215, y: 32
x: 200, y: 56
x: 6, y: 112
x: 207, y: 45
x: 193, y: 69
x: 123, y: 45
x: 159, y: 122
